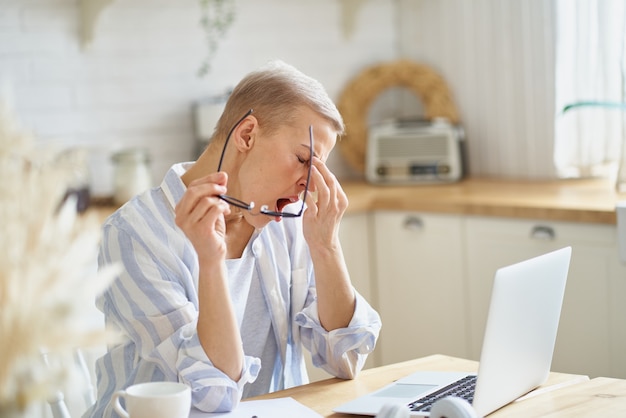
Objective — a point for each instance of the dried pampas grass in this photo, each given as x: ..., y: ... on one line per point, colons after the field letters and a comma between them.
x: 48, y: 279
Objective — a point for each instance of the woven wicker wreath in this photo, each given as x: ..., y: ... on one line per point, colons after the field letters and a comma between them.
x: 360, y: 93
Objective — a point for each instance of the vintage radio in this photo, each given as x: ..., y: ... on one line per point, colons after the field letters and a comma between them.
x: 415, y: 151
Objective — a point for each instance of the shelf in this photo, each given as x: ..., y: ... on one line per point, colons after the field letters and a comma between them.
x: 90, y: 11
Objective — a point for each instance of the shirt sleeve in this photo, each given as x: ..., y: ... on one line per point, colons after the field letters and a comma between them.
x: 154, y: 303
x: 341, y: 352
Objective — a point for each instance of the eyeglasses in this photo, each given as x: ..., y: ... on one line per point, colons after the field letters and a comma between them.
x: 265, y: 209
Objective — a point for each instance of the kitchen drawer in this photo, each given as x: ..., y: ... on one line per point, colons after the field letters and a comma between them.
x: 559, y: 233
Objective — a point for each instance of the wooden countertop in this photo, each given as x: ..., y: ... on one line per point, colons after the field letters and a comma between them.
x: 589, y: 200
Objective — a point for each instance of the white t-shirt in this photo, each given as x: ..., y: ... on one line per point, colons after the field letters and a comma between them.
x: 254, y: 322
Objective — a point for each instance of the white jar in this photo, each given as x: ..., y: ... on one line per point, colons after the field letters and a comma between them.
x: 131, y: 174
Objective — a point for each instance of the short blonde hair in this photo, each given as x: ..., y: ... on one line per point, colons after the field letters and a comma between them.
x: 275, y: 91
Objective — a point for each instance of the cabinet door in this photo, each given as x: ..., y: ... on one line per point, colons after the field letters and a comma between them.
x: 354, y: 237
x: 419, y: 286
x: 585, y: 340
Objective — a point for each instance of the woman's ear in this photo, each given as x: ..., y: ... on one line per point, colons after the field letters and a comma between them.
x: 245, y: 134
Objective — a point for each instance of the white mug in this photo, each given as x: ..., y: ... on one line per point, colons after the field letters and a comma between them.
x: 154, y: 400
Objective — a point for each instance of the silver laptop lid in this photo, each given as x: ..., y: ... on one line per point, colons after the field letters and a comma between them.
x: 521, y: 330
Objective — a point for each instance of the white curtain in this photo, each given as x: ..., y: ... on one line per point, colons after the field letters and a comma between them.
x: 589, y: 74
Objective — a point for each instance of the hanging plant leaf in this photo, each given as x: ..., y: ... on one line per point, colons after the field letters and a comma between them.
x: 215, y: 19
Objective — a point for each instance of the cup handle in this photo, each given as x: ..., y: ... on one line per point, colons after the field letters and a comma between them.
x: 116, y: 403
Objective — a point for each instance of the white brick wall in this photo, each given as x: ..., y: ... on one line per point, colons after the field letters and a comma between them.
x: 136, y: 83
x: 499, y: 60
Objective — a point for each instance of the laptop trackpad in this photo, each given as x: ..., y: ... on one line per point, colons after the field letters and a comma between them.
x: 400, y: 390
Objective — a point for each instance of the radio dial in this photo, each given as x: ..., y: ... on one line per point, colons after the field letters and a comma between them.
x: 382, y: 170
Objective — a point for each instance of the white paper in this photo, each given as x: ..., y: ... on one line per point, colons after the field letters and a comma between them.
x: 265, y: 408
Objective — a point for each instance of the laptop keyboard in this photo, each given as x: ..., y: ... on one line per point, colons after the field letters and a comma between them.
x: 463, y: 388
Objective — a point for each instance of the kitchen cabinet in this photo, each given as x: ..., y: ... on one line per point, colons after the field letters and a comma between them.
x: 592, y: 336
x: 419, y: 284
x: 433, y: 276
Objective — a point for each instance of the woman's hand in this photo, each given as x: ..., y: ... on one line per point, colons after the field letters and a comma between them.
x: 200, y: 214
x: 323, y: 216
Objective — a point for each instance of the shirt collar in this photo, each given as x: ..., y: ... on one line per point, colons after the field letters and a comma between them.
x: 172, y: 183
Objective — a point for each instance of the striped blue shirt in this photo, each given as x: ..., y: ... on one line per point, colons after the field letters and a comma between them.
x: 154, y: 303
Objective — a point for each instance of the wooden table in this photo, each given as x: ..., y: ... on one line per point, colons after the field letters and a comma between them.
x: 563, y: 395
x: 599, y: 397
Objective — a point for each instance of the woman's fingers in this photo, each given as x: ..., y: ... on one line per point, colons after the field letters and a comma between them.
x: 200, y: 210
x: 330, y: 195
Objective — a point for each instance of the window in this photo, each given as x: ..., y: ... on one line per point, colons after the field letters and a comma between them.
x: 590, y: 66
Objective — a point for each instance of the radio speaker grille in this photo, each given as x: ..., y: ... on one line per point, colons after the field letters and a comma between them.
x: 394, y: 147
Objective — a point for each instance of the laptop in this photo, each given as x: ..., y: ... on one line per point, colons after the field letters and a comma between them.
x: 517, y: 350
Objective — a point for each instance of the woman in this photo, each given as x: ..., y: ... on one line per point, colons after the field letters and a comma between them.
x: 227, y: 276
